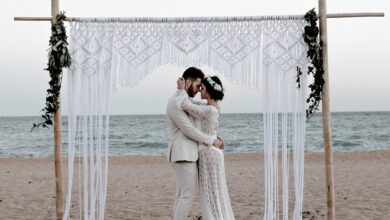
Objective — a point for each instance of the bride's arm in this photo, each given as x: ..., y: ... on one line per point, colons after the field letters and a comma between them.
x: 196, y: 102
x: 195, y: 109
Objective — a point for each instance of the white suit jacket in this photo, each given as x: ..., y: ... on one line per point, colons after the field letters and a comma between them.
x: 184, y: 137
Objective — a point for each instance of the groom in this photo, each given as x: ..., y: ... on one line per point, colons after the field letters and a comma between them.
x: 184, y: 135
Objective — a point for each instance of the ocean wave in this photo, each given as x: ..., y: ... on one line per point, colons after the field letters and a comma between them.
x: 148, y: 135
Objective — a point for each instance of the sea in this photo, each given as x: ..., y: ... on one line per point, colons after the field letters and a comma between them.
x: 147, y: 135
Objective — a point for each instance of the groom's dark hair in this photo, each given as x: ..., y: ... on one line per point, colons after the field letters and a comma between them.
x: 193, y: 73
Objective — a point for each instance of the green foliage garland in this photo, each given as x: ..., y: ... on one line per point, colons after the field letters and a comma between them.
x: 58, y: 58
x: 311, y: 37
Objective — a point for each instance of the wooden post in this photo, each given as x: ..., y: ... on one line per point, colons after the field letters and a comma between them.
x: 326, y: 113
x: 57, y: 138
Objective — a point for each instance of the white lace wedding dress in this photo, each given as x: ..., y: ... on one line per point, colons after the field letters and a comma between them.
x: 215, y: 202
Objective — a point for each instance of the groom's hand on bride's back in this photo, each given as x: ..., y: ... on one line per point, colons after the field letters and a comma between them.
x: 218, y: 143
x: 223, y: 143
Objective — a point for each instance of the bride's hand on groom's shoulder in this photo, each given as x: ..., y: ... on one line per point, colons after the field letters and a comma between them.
x: 181, y: 83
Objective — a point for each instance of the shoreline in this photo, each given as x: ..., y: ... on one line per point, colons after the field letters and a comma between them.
x: 308, y: 153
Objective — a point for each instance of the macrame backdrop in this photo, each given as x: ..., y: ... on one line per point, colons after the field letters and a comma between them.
x: 260, y: 53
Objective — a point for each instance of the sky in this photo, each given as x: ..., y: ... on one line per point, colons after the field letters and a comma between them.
x: 359, y: 53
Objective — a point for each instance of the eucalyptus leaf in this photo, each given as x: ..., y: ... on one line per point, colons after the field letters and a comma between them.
x: 314, y: 53
x: 58, y: 57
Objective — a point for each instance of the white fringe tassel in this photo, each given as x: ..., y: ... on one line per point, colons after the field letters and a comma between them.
x: 259, y: 54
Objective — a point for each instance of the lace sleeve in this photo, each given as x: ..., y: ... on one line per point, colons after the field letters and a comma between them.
x: 198, y: 102
x: 196, y: 110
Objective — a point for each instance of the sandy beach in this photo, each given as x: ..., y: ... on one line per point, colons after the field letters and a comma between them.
x: 143, y: 187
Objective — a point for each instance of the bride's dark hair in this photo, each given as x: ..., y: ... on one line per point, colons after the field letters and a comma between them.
x: 216, y: 90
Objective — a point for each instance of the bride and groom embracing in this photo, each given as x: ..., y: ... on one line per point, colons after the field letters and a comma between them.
x: 195, y: 151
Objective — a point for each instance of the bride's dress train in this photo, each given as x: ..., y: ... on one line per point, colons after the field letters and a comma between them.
x: 215, y: 202
x: 214, y: 194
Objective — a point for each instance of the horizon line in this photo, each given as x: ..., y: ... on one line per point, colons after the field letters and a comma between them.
x: 140, y: 114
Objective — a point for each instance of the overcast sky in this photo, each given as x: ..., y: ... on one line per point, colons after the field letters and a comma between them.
x: 359, y: 53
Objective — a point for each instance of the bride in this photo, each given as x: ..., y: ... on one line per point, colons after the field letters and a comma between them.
x: 215, y: 202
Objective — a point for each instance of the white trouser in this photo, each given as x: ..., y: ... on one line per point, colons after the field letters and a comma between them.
x: 186, y: 182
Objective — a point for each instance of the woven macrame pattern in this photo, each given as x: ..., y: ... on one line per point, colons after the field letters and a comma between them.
x: 235, y: 49
x: 259, y: 54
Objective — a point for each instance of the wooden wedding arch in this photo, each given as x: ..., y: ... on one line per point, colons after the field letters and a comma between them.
x: 328, y: 148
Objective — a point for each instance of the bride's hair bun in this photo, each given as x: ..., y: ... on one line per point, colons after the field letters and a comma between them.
x: 214, y: 87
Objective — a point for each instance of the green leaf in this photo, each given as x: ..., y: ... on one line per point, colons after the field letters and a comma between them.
x: 58, y: 57
x: 314, y: 53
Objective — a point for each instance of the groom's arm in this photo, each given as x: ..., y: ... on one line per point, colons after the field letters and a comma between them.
x: 183, y: 122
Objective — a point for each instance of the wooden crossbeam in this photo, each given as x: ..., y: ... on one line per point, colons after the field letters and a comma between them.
x: 336, y: 15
